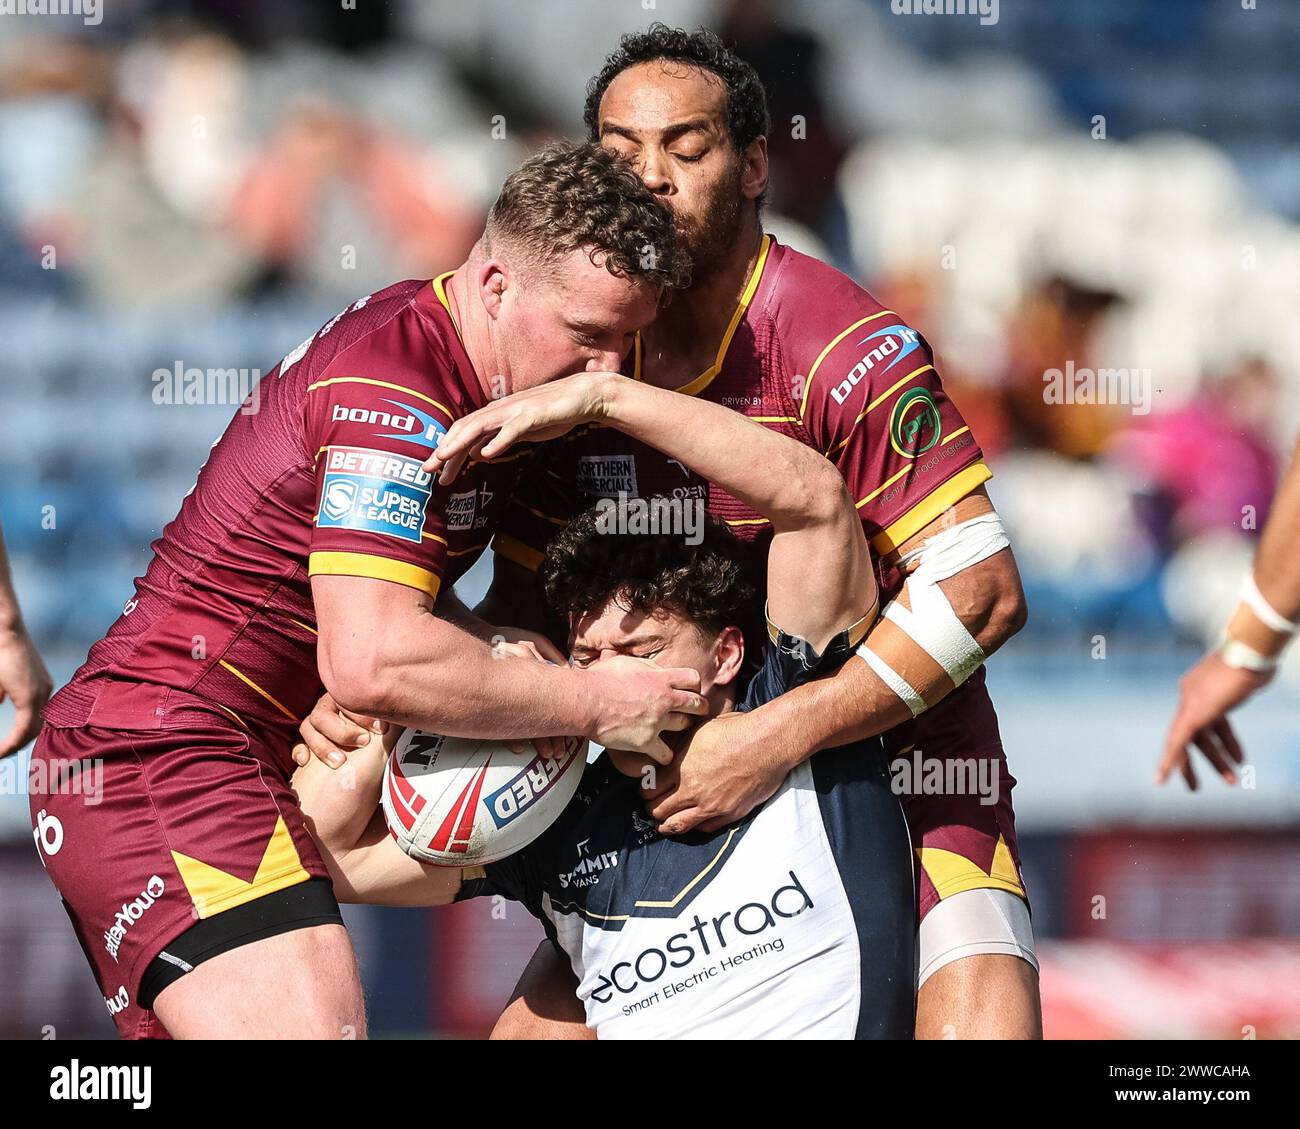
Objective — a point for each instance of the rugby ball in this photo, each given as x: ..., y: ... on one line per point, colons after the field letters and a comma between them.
x: 457, y: 801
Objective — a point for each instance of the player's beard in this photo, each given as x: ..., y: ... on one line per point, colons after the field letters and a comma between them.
x: 710, y: 237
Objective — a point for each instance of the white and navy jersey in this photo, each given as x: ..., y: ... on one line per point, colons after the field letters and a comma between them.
x: 798, y: 921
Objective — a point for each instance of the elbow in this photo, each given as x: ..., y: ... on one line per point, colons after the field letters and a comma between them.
x: 1015, y: 614
x: 1007, y: 616
x: 360, y: 684
x: 820, y: 497
x: 990, y: 600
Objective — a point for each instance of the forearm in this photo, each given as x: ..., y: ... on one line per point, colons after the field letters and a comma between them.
x: 427, y: 673
x: 376, y: 871
x: 778, y: 477
x: 1276, y: 571
x: 339, y: 804
x: 382, y: 653
x: 11, y: 620
x: 852, y: 704
x: 1264, y: 621
x: 341, y: 808
x: 478, y: 622
x: 24, y: 681
x: 855, y: 703
x: 989, y: 600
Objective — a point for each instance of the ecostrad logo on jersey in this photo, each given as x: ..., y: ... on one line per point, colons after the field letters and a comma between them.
x: 703, y: 938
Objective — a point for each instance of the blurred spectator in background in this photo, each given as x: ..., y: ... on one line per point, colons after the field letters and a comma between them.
x: 804, y: 149
x: 326, y: 178
x: 52, y: 94
x: 150, y: 206
x: 1056, y: 324
x: 1210, y: 466
x: 159, y: 177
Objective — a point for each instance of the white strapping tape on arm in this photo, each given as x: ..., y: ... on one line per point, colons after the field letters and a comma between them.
x: 893, y: 680
x: 1268, y: 615
x: 935, y: 628
x: 931, y: 623
x: 954, y: 550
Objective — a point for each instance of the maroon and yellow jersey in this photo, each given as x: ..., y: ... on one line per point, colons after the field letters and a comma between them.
x: 812, y: 355
x: 318, y: 473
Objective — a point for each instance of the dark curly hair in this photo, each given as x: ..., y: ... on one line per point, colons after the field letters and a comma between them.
x: 570, y: 196
x: 715, y: 583
x: 747, y: 116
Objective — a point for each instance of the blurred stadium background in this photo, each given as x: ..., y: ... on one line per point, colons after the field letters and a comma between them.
x: 1113, y: 184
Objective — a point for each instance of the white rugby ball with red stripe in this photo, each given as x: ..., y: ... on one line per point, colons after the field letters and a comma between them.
x: 458, y: 801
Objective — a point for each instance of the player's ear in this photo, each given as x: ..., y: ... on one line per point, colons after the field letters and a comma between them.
x: 493, y: 282
x: 753, y: 181
x: 729, y: 654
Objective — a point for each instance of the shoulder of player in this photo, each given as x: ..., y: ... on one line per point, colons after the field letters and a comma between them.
x: 353, y: 325
x: 373, y: 365
x: 598, y: 777
x: 383, y: 335
x: 816, y: 309
x: 809, y: 297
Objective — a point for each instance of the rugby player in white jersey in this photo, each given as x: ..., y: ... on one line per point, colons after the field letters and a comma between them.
x: 796, y: 921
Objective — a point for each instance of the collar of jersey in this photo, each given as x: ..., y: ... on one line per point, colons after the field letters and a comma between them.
x: 440, y: 292
x: 701, y: 382
x: 475, y: 394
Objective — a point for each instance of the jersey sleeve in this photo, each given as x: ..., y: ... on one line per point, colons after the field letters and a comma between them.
x: 790, y: 661
x: 545, y: 500
x: 505, y: 879
x: 874, y: 405
x: 517, y: 878
x: 377, y: 513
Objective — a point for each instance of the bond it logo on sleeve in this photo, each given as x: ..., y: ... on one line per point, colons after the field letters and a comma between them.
x: 416, y: 426
x: 375, y: 491
x: 895, y: 342
x: 608, y: 476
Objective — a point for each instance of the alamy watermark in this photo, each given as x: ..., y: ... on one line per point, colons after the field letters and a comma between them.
x: 54, y: 776
x: 90, y: 11
x: 681, y: 517
x: 986, y: 10
x: 917, y: 775
x: 182, y: 385
x: 1129, y: 387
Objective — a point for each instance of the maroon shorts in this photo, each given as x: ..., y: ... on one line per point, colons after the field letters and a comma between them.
x: 147, y: 831
x: 955, y: 787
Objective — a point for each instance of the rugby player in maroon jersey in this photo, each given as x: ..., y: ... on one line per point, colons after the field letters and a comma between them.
x: 795, y: 345
x: 310, y: 554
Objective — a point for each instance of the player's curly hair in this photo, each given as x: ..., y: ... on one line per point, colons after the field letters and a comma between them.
x: 715, y: 583
x: 570, y: 196
x: 747, y: 116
